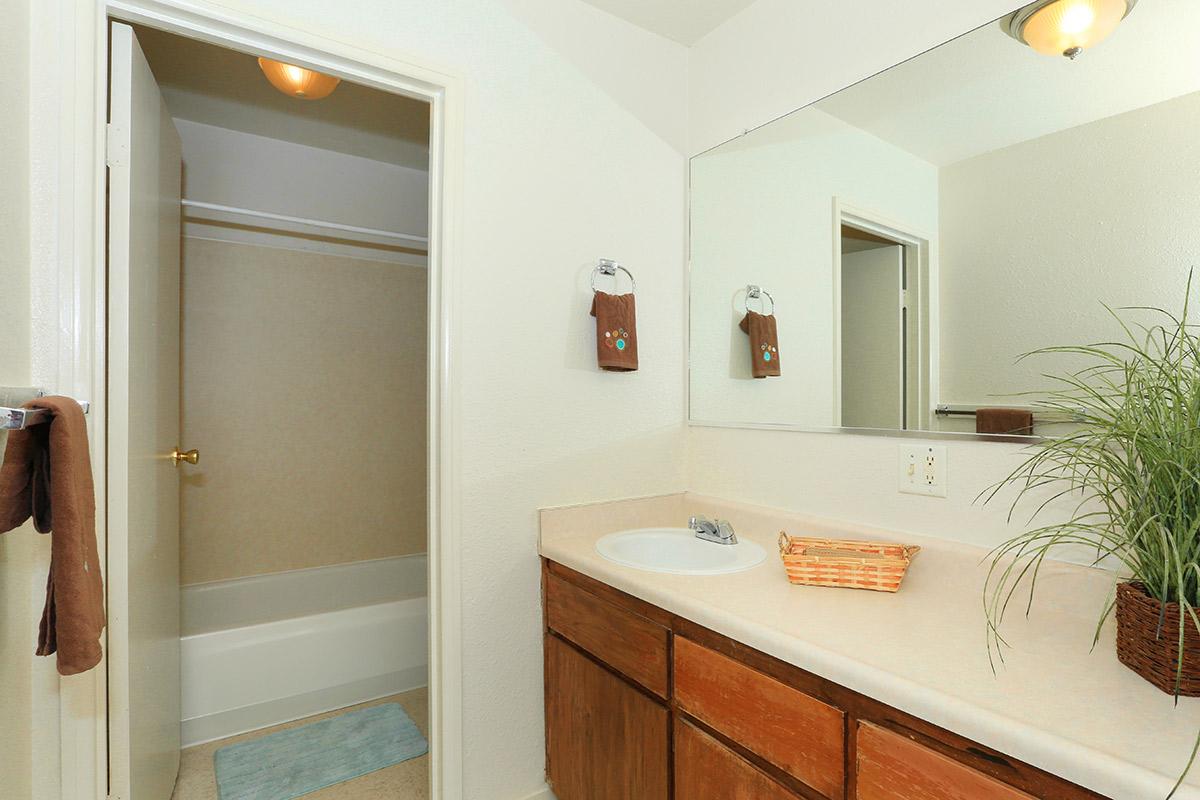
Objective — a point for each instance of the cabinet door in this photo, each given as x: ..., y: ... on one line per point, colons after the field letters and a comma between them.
x: 705, y: 769
x: 605, y: 740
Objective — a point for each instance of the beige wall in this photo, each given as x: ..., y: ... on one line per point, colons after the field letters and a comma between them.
x: 304, y: 391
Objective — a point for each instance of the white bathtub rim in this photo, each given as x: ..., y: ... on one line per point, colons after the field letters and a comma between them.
x: 261, y: 599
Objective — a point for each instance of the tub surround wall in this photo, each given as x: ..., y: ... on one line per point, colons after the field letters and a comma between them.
x: 304, y: 390
x: 1055, y: 703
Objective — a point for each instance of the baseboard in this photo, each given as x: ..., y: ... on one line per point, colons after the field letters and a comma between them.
x: 541, y: 794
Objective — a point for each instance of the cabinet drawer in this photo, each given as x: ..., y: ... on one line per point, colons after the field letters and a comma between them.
x: 894, y: 767
x: 705, y: 769
x: 797, y: 733
x: 630, y: 644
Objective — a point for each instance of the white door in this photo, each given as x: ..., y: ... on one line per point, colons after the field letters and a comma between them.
x: 144, y: 174
x: 872, y: 338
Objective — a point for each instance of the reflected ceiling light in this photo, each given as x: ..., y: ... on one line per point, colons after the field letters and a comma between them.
x: 1066, y: 27
x: 297, y: 81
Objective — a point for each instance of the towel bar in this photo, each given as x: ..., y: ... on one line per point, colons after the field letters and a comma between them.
x: 756, y: 293
x: 608, y: 266
x: 18, y: 419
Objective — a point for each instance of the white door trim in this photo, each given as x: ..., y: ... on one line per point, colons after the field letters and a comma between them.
x: 74, y: 217
x: 921, y: 278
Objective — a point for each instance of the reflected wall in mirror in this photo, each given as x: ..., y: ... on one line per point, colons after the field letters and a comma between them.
x: 922, y: 229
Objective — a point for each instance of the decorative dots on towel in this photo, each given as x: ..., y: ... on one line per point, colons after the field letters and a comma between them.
x: 768, y: 351
x: 616, y: 338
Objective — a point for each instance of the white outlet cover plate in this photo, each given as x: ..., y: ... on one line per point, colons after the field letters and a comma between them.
x: 923, y: 469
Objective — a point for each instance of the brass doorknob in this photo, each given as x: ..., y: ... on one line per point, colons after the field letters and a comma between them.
x: 191, y: 456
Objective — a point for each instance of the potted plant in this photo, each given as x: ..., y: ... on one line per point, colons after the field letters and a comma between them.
x: 1129, y: 455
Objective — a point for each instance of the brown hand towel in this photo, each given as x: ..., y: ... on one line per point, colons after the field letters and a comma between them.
x: 47, y: 475
x: 616, y: 331
x: 764, y: 343
x: 1013, y: 421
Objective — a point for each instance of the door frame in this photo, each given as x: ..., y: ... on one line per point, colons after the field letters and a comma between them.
x: 74, y: 217
x: 920, y: 266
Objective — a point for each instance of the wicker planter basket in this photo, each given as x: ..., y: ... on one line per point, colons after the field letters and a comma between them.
x: 879, y: 566
x: 1155, y: 657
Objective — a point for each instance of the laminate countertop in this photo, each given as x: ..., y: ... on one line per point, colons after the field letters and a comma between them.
x: 1054, y: 702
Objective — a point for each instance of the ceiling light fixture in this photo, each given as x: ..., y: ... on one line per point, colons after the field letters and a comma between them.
x: 294, y: 81
x: 1066, y: 27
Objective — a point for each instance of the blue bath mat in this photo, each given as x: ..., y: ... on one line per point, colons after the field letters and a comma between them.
x: 291, y: 763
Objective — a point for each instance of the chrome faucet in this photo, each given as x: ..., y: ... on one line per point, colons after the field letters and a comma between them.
x: 718, y: 531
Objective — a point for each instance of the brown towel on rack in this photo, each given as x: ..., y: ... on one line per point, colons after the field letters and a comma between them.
x: 764, y: 343
x: 1013, y: 421
x: 47, y: 475
x: 616, y: 331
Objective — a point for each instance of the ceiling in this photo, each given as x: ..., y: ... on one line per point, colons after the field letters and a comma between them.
x: 984, y: 91
x: 685, y: 21
x: 209, y: 84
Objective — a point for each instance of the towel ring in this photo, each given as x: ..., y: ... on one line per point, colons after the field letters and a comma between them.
x: 757, y: 292
x: 608, y: 266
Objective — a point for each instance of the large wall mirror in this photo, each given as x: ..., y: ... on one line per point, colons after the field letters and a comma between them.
x: 917, y: 232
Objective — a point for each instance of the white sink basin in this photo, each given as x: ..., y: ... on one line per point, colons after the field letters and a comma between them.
x: 678, y: 551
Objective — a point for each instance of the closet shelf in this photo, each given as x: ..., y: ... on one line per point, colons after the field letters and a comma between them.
x: 314, y: 223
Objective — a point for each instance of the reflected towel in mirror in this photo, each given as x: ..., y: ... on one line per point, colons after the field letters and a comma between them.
x: 764, y: 343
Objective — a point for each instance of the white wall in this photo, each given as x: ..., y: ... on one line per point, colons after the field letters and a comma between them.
x: 20, y: 549
x: 763, y: 213
x: 1036, y: 236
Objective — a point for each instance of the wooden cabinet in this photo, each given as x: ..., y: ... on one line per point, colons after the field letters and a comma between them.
x: 605, y: 740
x: 705, y: 769
x: 644, y: 705
x: 894, y: 767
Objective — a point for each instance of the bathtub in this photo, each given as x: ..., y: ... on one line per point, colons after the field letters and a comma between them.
x: 269, y: 649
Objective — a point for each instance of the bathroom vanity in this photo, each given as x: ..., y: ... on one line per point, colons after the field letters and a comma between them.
x: 662, y: 686
x: 672, y: 709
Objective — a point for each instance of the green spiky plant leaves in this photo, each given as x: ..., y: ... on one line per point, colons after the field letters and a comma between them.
x: 1128, y: 465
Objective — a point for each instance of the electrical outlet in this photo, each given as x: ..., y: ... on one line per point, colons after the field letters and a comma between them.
x: 923, y: 469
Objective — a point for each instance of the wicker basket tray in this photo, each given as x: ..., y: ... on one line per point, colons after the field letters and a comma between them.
x: 879, y: 566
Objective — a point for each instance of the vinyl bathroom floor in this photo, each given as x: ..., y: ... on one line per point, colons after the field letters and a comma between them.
x: 408, y: 780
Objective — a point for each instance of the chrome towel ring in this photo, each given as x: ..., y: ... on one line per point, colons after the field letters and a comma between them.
x: 757, y: 293
x: 608, y: 266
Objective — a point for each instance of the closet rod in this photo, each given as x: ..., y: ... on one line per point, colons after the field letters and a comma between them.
x: 316, y: 223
